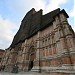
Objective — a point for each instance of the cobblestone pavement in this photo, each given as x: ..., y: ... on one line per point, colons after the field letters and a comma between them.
x: 22, y: 73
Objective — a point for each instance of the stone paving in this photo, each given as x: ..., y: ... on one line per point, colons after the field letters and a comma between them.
x: 22, y: 73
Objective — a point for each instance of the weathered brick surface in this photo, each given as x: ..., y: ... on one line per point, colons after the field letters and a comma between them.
x: 66, y: 60
x: 54, y: 62
x: 51, y: 49
x: 58, y: 74
x: 73, y: 59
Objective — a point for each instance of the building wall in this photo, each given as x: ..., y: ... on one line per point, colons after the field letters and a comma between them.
x: 51, y: 50
x: 1, y: 55
x: 55, y: 48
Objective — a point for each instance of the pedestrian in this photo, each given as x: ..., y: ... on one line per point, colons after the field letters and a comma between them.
x: 15, y: 69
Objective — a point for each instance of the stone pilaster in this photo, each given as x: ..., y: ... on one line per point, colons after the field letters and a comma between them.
x: 67, y: 45
x: 37, y: 66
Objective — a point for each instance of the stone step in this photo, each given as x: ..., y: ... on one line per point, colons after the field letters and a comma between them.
x: 32, y: 73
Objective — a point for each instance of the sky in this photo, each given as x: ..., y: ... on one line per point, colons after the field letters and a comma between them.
x: 13, y: 11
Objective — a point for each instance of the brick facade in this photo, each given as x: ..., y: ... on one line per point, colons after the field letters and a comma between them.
x: 50, y: 50
x: 1, y: 56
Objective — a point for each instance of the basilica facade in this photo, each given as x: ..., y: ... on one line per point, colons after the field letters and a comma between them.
x: 43, y: 43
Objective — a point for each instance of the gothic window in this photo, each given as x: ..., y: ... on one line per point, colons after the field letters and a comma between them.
x: 46, y: 48
x: 31, y: 49
x: 48, y: 38
x: 47, y: 52
x: 40, y: 43
x: 0, y: 59
x: 61, y: 33
x: 69, y: 42
x: 50, y: 51
x: 54, y: 49
x: 19, y: 48
x: 27, y: 56
x: 43, y: 52
x: 52, y: 39
x: 35, y: 44
x: 10, y: 49
x: 45, y: 41
x: 57, y: 21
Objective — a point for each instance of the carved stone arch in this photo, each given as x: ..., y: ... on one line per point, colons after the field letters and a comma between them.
x: 31, y: 57
x: 31, y: 53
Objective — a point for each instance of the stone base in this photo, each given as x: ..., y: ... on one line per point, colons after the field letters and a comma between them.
x: 36, y: 69
x: 63, y: 69
x: 8, y: 69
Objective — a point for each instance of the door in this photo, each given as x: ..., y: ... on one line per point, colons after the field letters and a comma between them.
x: 30, y: 65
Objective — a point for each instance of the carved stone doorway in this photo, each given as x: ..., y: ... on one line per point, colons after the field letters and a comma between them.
x: 31, y: 58
x: 30, y: 65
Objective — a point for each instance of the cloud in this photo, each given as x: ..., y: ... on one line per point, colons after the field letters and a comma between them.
x: 72, y: 15
x: 7, y: 28
x: 47, y: 5
x: 54, y: 4
x: 22, y: 6
x: 72, y: 12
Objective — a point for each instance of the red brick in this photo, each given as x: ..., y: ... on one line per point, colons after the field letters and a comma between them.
x: 54, y: 62
x: 73, y: 59
x: 66, y: 60
x: 54, y: 50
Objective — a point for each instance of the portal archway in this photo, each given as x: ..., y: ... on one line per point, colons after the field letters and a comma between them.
x: 31, y: 57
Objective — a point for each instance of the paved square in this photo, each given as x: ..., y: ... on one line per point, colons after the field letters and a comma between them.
x: 22, y: 73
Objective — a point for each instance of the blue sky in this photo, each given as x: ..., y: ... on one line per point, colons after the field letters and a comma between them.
x: 13, y: 11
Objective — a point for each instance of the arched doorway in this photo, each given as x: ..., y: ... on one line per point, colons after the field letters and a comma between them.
x: 31, y: 57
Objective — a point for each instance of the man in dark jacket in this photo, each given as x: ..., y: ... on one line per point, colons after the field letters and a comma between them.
x: 15, y: 69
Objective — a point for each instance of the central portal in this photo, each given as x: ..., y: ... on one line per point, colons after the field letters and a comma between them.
x: 31, y: 58
x: 30, y: 65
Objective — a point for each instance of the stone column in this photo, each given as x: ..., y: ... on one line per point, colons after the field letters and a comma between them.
x: 61, y: 41
x: 24, y: 56
x: 67, y: 45
x: 71, y: 46
x: 37, y: 66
